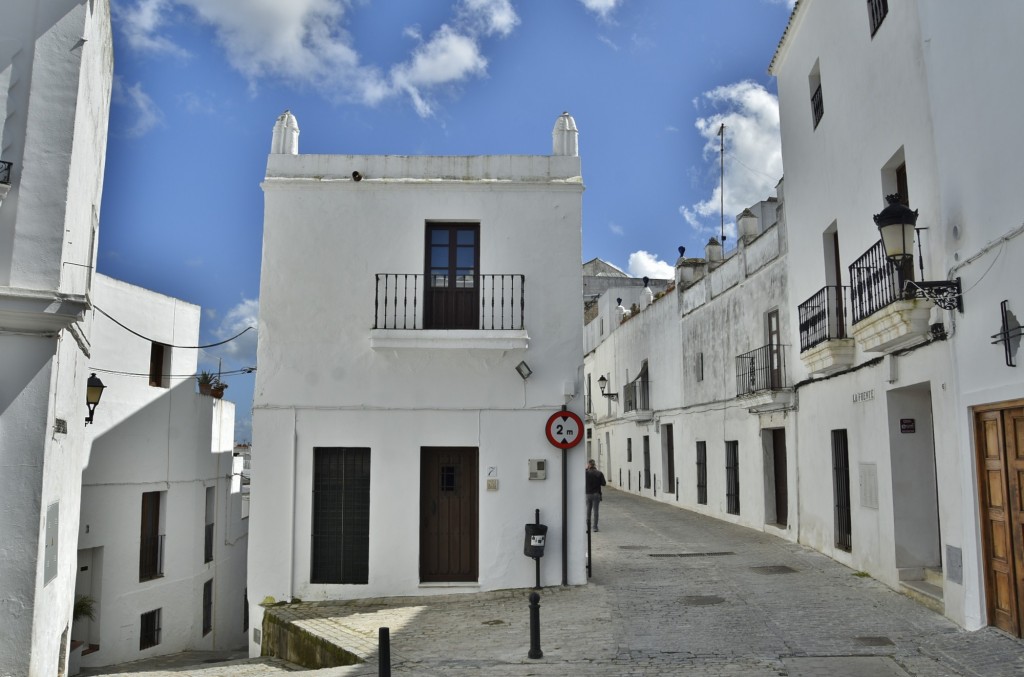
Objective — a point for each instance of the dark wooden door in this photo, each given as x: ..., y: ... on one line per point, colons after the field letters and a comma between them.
x: 999, y: 440
x: 781, y: 479
x: 774, y: 350
x: 449, y: 518
x: 452, y: 299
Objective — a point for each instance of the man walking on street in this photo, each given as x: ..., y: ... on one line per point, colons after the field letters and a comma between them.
x: 595, y: 480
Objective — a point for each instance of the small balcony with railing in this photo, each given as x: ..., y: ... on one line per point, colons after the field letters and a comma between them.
x: 884, y: 318
x: 208, y: 543
x: 5, y: 179
x: 151, y: 557
x: 825, y: 345
x: 413, y: 310
x: 761, y: 380
x: 636, y: 400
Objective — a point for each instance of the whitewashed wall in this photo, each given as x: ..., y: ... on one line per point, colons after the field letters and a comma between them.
x: 55, y: 83
x: 321, y: 381
x: 148, y: 438
x: 719, y: 316
x: 907, y: 94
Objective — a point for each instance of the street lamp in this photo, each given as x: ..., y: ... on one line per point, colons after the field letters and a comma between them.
x: 897, y: 224
x: 602, y: 383
x: 93, y: 392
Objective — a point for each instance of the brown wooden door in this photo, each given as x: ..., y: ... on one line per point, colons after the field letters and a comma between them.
x: 774, y: 350
x: 452, y: 298
x: 449, y: 520
x: 999, y: 440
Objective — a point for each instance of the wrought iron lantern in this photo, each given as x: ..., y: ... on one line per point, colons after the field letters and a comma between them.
x: 602, y: 383
x: 93, y: 392
x: 897, y: 225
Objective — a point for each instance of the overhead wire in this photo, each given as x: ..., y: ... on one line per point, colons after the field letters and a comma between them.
x: 169, y: 345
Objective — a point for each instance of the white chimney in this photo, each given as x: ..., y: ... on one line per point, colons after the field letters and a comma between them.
x: 286, y: 135
x: 565, y: 137
x: 713, y: 251
x: 747, y: 222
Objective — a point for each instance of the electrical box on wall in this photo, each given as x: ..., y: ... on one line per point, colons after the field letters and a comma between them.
x: 538, y: 469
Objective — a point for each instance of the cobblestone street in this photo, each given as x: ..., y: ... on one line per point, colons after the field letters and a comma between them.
x: 673, y: 593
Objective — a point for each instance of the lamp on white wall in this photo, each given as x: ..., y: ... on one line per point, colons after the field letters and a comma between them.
x: 524, y: 370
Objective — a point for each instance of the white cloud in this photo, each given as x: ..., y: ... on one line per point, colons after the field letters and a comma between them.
x: 242, y: 351
x: 306, y: 42
x: 608, y: 41
x: 644, y: 264
x: 140, y: 22
x: 601, y: 7
x: 147, y: 114
x: 753, y: 153
x: 616, y: 228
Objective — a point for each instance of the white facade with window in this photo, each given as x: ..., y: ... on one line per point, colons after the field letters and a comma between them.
x: 698, y: 399
x: 55, y: 82
x: 390, y: 425
x: 918, y: 404
x: 159, y: 518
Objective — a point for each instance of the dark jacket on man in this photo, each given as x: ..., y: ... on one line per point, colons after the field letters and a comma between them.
x: 595, y: 480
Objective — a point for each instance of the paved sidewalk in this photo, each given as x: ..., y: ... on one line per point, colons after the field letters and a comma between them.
x: 673, y: 593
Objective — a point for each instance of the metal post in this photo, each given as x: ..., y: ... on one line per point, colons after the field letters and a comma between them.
x: 565, y: 517
x: 536, y: 560
x: 535, y: 651
x: 590, y: 553
x: 384, y: 652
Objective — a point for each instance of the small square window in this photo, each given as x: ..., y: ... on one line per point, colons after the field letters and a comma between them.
x: 448, y: 478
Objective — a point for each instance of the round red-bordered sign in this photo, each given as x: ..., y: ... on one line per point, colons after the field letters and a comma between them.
x: 564, y: 429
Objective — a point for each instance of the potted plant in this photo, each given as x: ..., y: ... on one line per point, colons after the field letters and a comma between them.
x: 217, y: 390
x: 85, y: 607
x: 207, y: 380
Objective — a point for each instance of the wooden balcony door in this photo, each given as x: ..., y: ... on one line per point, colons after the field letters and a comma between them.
x: 999, y: 441
x: 449, y: 514
x: 774, y: 350
x: 452, y: 299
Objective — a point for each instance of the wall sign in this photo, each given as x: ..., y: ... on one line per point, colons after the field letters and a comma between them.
x: 908, y: 425
x: 564, y: 429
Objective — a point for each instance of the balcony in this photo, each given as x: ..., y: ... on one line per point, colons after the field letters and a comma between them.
x: 436, y: 311
x: 151, y: 557
x: 883, y: 320
x: 636, y: 400
x: 824, y: 344
x: 761, y: 379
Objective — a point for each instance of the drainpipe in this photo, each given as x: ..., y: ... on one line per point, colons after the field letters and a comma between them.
x: 291, y: 534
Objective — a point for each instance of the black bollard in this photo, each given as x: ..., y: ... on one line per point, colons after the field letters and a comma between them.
x: 384, y: 652
x: 535, y: 651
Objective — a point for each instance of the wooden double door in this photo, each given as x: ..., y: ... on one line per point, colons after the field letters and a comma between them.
x: 999, y: 441
x: 449, y: 514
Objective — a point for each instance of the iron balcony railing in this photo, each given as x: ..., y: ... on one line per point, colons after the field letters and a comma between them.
x: 151, y: 557
x: 761, y: 369
x: 403, y: 301
x: 817, y: 106
x: 874, y: 283
x: 823, y: 316
x: 636, y: 396
x: 877, y: 9
x: 208, y: 544
x: 5, y: 172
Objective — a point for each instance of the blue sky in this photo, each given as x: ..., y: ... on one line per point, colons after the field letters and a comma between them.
x: 199, y: 83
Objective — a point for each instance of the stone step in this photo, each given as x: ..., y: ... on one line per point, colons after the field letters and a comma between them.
x: 926, y: 593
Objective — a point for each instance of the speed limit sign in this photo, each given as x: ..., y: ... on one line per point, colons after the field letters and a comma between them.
x: 564, y: 429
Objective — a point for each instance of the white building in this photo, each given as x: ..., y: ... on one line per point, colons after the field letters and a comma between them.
x: 162, y: 541
x: 909, y: 464
x: 56, y: 59
x: 697, y: 400
x: 393, y: 439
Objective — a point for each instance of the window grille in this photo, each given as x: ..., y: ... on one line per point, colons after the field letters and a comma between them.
x: 207, y: 607
x: 149, y: 634
x: 732, y: 477
x: 877, y: 10
x: 341, y: 515
x: 702, y: 473
x: 841, y: 490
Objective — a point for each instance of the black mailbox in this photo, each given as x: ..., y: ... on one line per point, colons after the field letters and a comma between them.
x: 536, y: 534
